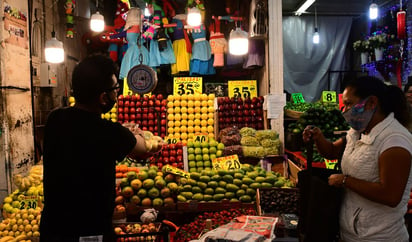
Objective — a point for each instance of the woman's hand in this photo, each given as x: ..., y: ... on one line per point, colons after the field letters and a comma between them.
x: 311, y: 132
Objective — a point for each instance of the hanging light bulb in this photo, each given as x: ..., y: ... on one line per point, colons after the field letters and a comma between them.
x: 97, y: 20
x: 54, y: 51
x: 238, y: 42
x: 373, y: 11
x: 316, y: 36
x: 194, y: 18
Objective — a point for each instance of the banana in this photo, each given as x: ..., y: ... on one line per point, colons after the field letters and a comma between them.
x: 20, y: 238
x: 7, y: 238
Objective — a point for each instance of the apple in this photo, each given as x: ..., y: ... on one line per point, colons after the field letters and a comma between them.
x: 126, y: 110
x: 120, y: 97
x: 120, y: 116
x: 179, y: 152
x: 145, y: 98
x: 259, y: 105
x: 180, y: 165
x: 259, y: 112
x: 165, y: 153
x: 234, y: 106
x: 172, y: 146
x: 120, y: 103
x: 163, y: 109
x: 174, y: 164
x: 132, y: 116
x: 150, y: 116
x: 132, y: 104
x: 151, y: 129
x: 150, y: 103
x: 158, y: 103
x: 221, y: 120
x: 240, y: 119
x: 172, y: 159
x: 163, y: 121
x: 179, y: 158
x: 150, y: 123
x: 144, y: 128
x: 156, y: 133
x: 144, y: 104
x: 164, y: 102
x: 166, y: 160
x: 127, y: 103
x: 163, y: 115
x: 145, y: 110
x: 127, y: 97
x: 157, y: 108
x: 120, y: 110
x: 138, y: 116
x: 138, y: 104
x: 134, y: 98
x: 160, y: 165
x: 162, y: 129
x: 144, y: 116
x: 172, y: 153
x: 132, y: 109
x: 179, y: 145
x: 220, y: 101
x: 159, y: 96
x: 246, y: 112
x: 138, y: 97
x: 144, y: 123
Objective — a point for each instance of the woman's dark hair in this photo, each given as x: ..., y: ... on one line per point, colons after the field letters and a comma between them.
x: 91, y: 77
x: 391, y: 98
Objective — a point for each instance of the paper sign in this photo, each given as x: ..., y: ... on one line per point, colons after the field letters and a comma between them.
x: 187, y: 85
x: 29, y: 202
x: 243, y: 89
x: 298, y: 98
x: 275, y: 104
x: 201, y: 138
x: 330, y: 164
x: 226, y: 163
x: 176, y: 171
x: 172, y: 140
x: 329, y: 96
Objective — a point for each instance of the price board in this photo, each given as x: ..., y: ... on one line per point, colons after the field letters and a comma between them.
x: 243, y: 89
x: 176, y: 171
x: 329, y: 96
x: 187, y: 85
x: 201, y: 138
x: 230, y: 162
x: 330, y: 164
x: 298, y: 98
x: 172, y: 140
x: 29, y: 202
x: 149, y: 94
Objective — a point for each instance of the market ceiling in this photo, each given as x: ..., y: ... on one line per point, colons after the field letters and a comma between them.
x: 333, y: 7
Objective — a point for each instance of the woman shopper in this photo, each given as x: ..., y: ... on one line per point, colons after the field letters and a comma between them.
x: 80, y: 153
x: 376, y: 161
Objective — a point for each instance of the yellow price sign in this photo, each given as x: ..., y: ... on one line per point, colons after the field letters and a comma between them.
x: 176, y: 171
x: 29, y: 202
x: 149, y: 94
x: 298, y: 98
x: 230, y: 162
x: 172, y: 140
x: 329, y: 96
x: 126, y: 90
x: 243, y: 89
x: 201, y: 138
x: 187, y: 85
x: 330, y: 164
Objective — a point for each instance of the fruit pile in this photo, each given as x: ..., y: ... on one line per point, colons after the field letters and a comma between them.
x: 111, y: 115
x: 240, y: 112
x: 126, y: 165
x: 234, y: 185
x: 171, y: 154
x: 146, y: 188
x: 136, y: 228
x: 193, y: 230
x: 29, y: 185
x: 188, y: 115
x: 201, y: 154
x: 148, y: 112
x: 21, y: 225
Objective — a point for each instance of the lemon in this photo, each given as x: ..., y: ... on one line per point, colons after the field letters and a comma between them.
x: 203, y: 129
x: 177, y: 116
x: 198, y: 115
x: 204, y: 110
x: 204, y: 96
x: 170, y: 130
x: 183, y: 136
x: 36, y: 234
x: 190, y: 129
x: 183, y: 110
x: 177, y: 135
x: 170, y: 124
x: 177, y: 97
x: 170, y: 98
x: 204, y: 116
x: 210, y: 129
x: 197, y: 122
x: 197, y: 129
x: 190, y: 136
x: 113, y: 110
x: 210, y: 121
x: 184, y: 117
x: 170, y: 110
x: 190, y: 110
x: 203, y: 123
x: 211, y: 96
x: 205, y: 104
x: 211, y: 135
x: 107, y: 116
x: 71, y: 99
x: 177, y: 129
x: 170, y: 117
x: 170, y: 104
x: 183, y: 103
x: 211, y: 115
x: 210, y: 103
x: 113, y: 116
x: 190, y: 103
x: 211, y: 109
x: 190, y: 122
x: 14, y: 228
x: 176, y: 103
x: 177, y: 109
x: 190, y: 97
x: 183, y: 129
x: 184, y: 141
x: 177, y: 123
x: 29, y: 234
x: 197, y: 103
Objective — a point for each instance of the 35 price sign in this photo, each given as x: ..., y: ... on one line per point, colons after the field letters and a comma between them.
x: 243, y: 89
x: 176, y: 171
x: 187, y: 85
x: 329, y: 96
x: 29, y: 202
x: 227, y: 163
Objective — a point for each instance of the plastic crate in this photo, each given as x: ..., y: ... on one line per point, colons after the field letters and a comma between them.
x: 154, y: 235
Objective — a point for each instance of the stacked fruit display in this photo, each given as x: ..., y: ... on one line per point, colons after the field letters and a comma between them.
x: 201, y: 154
x: 133, y: 229
x: 171, y: 154
x: 21, y: 225
x: 234, y: 185
x: 146, y: 188
x: 28, y: 185
x: 190, y: 114
x: 148, y: 112
x: 111, y: 115
x: 240, y: 112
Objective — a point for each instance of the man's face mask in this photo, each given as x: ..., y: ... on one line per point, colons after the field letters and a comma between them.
x: 357, y: 117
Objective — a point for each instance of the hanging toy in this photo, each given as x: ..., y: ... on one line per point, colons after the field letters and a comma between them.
x: 69, y: 6
x: 400, y: 20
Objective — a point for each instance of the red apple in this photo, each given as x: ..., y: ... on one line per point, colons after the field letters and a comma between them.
x: 151, y: 129
x: 120, y: 103
x: 138, y: 97
x: 165, y: 153
x: 179, y: 145
x: 172, y: 159
x: 150, y: 116
x: 166, y: 160
x: 172, y: 146
x: 126, y: 97
x: 150, y: 123
x: 152, y: 97
x: 144, y: 123
x: 160, y: 165
x: 163, y: 115
x: 179, y: 158
x: 132, y: 109
x: 144, y: 128
x: 163, y: 109
x: 159, y: 96
x: 120, y: 116
x: 163, y: 129
x: 126, y: 117
x: 138, y: 116
x: 180, y: 165
x: 120, y: 97
x: 172, y: 153
x: 145, y: 110
x: 157, y: 108
x: 179, y: 152
x: 126, y: 103
x: 138, y: 104
x: 164, y: 102
x: 158, y: 103
x: 134, y: 98
x: 150, y: 103
x: 120, y: 110
x: 126, y: 110
x: 163, y: 122
x: 132, y: 104
x: 144, y: 104
x: 174, y: 164
x: 132, y: 116
x: 144, y: 116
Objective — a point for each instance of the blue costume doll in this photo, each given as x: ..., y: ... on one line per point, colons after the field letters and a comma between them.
x: 201, y: 62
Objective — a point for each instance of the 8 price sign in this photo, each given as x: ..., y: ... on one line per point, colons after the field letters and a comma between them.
x: 243, y: 89
x: 329, y: 96
x: 187, y: 85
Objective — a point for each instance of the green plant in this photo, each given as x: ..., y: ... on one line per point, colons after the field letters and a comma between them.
x: 378, y: 41
x: 362, y: 46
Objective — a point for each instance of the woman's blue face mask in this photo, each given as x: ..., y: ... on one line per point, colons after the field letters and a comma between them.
x: 357, y: 117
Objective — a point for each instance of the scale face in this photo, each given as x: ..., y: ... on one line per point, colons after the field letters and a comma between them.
x: 142, y: 79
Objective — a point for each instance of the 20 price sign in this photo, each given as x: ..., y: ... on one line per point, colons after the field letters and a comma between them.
x: 187, y: 85
x: 243, y: 89
x: 230, y: 162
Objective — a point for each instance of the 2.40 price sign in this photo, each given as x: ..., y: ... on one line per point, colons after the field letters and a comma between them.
x: 243, y: 89
x: 187, y: 85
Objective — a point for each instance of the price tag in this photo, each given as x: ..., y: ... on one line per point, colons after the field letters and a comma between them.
x: 126, y: 90
x: 201, y: 138
x: 243, y: 89
x: 29, y: 202
x: 329, y: 96
x: 187, y: 85
x: 227, y: 163
x: 330, y: 164
x: 176, y: 171
x: 149, y: 94
x: 172, y: 140
x: 341, y: 105
x: 298, y: 98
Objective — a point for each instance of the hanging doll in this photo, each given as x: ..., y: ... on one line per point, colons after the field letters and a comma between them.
x: 136, y: 52
x: 116, y: 35
x: 218, y: 44
x: 201, y: 62
x: 161, y: 50
x: 69, y: 6
x: 182, y: 46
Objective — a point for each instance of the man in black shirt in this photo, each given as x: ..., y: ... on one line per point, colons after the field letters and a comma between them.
x: 80, y: 153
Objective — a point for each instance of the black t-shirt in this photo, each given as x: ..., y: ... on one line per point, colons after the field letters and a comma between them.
x: 80, y: 153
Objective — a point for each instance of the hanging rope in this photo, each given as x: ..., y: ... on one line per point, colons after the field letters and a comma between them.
x: 36, y: 36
